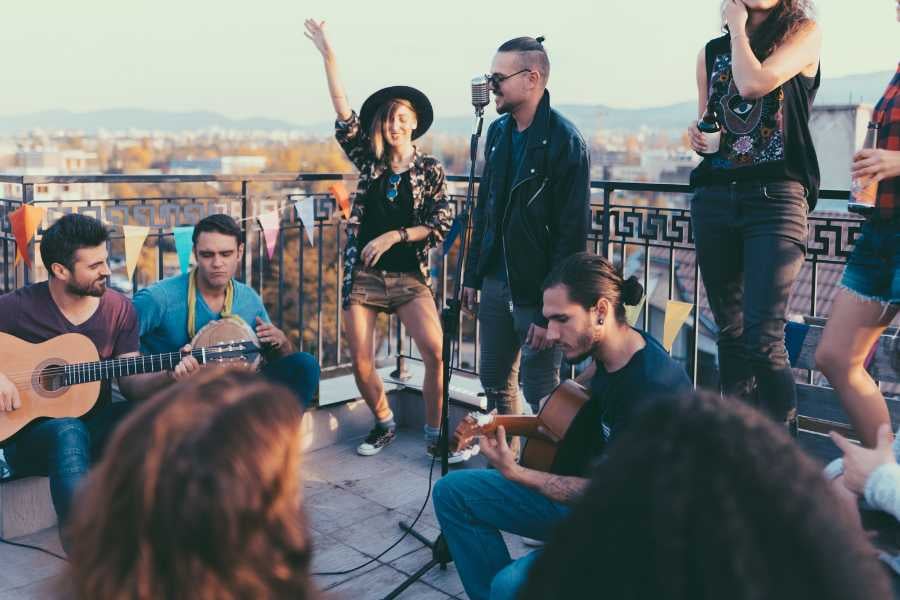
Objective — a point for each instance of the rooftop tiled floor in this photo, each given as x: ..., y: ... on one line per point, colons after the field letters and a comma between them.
x: 353, y: 505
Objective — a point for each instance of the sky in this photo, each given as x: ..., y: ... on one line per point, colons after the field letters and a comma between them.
x: 250, y: 59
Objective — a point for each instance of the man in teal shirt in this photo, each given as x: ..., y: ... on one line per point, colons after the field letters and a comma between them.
x: 170, y: 317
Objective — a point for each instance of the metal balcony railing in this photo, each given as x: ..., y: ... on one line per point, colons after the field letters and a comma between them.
x: 645, y: 228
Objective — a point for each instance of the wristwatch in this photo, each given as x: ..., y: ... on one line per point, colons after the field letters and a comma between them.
x: 404, y: 235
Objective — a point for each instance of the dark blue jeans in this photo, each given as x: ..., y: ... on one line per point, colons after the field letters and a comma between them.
x: 751, y: 242
x: 473, y: 507
x: 63, y: 450
x: 298, y: 371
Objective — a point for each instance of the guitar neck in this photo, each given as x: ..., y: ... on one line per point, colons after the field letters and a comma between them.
x: 122, y: 367
x: 514, y: 425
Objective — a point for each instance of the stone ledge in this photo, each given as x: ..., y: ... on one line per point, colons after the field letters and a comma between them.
x: 25, y: 506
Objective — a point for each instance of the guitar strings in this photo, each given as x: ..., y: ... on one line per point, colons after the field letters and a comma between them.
x: 107, y: 365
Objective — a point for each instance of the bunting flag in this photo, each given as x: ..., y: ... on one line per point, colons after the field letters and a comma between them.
x: 183, y: 245
x: 794, y: 336
x: 25, y: 222
x: 341, y: 197
x: 633, y: 312
x: 306, y: 210
x: 452, y: 235
x: 134, y: 242
x: 271, y: 225
x: 676, y: 314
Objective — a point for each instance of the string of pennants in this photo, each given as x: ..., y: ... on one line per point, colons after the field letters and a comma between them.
x: 26, y: 220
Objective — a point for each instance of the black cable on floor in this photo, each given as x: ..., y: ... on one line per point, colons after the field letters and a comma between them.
x: 38, y: 548
x: 400, y: 539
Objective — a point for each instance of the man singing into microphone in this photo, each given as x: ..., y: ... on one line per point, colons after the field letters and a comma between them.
x: 533, y: 210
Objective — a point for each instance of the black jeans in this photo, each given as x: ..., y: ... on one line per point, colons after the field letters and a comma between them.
x: 751, y: 240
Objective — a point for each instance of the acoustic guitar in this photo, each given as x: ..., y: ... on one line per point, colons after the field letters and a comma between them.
x: 543, y: 431
x: 61, y: 377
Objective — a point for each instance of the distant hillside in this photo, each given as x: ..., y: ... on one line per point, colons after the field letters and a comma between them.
x: 135, y: 118
x: 588, y: 117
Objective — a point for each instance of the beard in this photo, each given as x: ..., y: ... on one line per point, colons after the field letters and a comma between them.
x: 586, y: 347
x: 95, y: 288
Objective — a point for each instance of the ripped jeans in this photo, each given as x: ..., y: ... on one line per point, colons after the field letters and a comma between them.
x: 503, y: 353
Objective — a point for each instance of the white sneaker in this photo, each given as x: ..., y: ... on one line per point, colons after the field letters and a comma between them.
x: 433, y: 451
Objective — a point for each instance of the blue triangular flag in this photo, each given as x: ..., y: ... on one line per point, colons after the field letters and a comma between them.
x: 452, y: 235
x: 794, y: 336
x: 183, y: 245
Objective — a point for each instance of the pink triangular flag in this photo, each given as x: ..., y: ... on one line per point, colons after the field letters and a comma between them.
x: 271, y: 225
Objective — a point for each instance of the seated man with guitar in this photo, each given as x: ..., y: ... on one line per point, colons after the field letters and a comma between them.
x: 584, y: 300
x: 208, y: 306
x: 93, y: 322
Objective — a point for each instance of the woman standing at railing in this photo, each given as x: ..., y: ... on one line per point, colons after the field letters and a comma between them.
x: 754, y: 191
x: 870, y: 298
x: 400, y: 211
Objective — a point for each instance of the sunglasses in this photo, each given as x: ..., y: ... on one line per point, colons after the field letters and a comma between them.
x: 496, y: 79
x: 394, y: 189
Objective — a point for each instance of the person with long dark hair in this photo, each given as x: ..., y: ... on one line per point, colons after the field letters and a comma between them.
x: 198, y: 496
x: 754, y: 191
x: 584, y: 302
x: 869, y: 297
x: 705, y: 498
x: 399, y: 212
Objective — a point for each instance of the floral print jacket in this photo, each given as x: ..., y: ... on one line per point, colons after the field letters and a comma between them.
x: 429, y: 189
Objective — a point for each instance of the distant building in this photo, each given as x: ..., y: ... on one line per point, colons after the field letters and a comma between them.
x: 838, y: 131
x: 224, y: 165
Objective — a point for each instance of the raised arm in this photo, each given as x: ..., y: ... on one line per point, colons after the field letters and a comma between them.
x: 755, y: 79
x: 315, y: 31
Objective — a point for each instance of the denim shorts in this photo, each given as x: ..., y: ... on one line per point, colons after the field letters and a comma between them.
x: 873, y: 269
x: 385, y: 291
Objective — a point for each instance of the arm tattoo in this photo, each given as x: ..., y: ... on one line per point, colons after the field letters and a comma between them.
x: 564, y: 489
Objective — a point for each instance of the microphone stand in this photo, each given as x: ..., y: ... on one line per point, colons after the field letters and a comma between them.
x: 440, y: 553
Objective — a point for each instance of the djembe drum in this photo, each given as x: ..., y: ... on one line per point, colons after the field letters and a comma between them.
x: 225, y: 330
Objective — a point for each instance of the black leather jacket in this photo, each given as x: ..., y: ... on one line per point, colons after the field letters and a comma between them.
x: 543, y: 216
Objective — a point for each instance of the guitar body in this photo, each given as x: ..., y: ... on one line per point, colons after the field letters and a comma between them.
x: 61, y: 377
x: 556, y: 416
x: 33, y: 370
x: 543, y: 431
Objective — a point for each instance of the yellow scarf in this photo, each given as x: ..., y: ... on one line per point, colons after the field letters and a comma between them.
x: 192, y: 302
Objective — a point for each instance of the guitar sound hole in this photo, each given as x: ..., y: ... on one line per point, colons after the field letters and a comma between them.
x: 52, y: 378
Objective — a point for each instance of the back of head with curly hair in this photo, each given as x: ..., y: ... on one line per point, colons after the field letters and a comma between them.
x: 197, y: 496
x: 705, y: 498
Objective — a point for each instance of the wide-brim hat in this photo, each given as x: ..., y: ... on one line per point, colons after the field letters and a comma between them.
x: 419, y: 101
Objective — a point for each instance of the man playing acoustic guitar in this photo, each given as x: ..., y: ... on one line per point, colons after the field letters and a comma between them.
x: 73, y: 300
x: 584, y: 301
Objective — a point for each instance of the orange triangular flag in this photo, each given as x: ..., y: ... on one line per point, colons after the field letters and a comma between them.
x: 25, y: 221
x: 342, y: 197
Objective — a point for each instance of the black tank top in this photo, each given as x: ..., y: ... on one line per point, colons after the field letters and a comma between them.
x: 766, y: 139
x: 383, y: 215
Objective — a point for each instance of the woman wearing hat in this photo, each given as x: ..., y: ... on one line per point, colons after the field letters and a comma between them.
x: 400, y: 211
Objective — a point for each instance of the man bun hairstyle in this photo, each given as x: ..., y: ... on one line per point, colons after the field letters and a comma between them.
x: 532, y: 54
x: 589, y: 277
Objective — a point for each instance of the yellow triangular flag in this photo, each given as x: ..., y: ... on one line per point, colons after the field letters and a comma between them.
x: 676, y: 314
x: 633, y: 312
x: 134, y: 243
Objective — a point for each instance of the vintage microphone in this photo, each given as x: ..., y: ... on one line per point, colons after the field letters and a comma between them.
x: 440, y: 553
